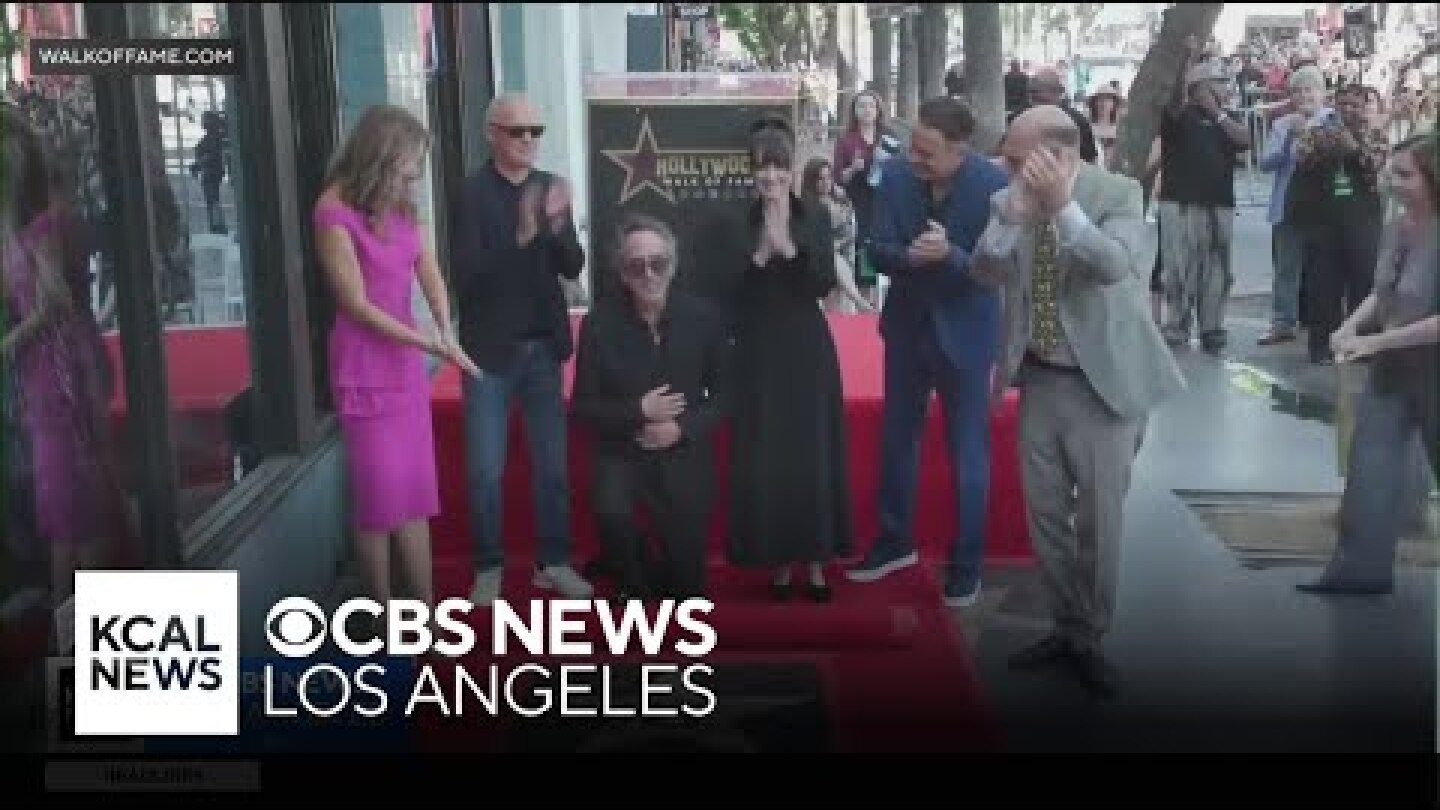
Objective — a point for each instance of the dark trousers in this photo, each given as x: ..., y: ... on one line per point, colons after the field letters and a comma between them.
x: 914, y: 369
x: 674, y: 490
x: 1339, y: 267
x: 1380, y: 490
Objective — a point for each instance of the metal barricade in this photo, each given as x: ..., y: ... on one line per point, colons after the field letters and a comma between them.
x: 1253, y: 185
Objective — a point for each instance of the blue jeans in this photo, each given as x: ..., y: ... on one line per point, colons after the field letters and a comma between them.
x: 535, y: 382
x: 1287, y: 256
x: 912, y: 371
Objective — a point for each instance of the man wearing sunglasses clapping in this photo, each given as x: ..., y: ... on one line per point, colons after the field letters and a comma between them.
x: 514, y: 238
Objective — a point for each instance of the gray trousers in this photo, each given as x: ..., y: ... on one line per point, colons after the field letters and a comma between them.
x: 1382, y: 490
x: 1195, y: 263
x: 1075, y: 460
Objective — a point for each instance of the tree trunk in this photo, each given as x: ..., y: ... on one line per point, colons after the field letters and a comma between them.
x: 829, y: 45
x: 984, y: 72
x: 1155, y: 82
x: 908, y: 92
x: 932, y: 35
x: 882, y: 54
x: 841, y: 26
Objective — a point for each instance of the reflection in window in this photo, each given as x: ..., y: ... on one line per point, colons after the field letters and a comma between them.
x: 384, y: 55
x: 195, y: 156
x: 64, y: 442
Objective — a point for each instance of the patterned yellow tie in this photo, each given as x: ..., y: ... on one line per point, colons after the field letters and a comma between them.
x: 1045, y: 314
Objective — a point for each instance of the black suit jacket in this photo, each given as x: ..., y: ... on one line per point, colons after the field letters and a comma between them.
x: 619, y: 362
x: 493, y: 274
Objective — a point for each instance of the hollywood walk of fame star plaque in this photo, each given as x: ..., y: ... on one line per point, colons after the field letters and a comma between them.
x: 674, y: 146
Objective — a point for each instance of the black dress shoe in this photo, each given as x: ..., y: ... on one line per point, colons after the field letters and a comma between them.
x: 781, y: 591
x: 1097, y: 675
x: 819, y: 592
x: 1340, y: 587
x: 1050, y: 650
x: 597, y: 568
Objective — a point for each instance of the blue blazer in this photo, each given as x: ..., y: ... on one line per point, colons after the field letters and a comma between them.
x: 964, y: 315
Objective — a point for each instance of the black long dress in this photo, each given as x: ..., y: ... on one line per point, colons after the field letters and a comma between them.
x: 790, y: 499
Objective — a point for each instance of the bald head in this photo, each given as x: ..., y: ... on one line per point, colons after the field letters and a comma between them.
x: 1047, y: 126
x: 511, y: 108
x: 1046, y: 87
x: 513, y: 128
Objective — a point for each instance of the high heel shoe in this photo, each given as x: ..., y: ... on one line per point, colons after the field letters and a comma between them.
x: 781, y: 589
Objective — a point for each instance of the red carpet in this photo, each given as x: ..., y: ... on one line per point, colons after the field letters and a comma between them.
x: 893, y: 672
x: 892, y: 668
x: 861, y: 362
x: 206, y: 367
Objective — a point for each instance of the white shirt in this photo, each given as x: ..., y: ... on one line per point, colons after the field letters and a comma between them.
x: 1002, y: 235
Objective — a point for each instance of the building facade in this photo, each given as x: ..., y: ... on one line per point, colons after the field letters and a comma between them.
x: 207, y: 293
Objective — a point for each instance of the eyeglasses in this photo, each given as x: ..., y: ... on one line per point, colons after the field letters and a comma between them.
x: 655, y: 266
x: 518, y: 132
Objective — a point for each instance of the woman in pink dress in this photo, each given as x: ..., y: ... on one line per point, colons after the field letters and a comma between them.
x: 57, y: 364
x: 371, y: 248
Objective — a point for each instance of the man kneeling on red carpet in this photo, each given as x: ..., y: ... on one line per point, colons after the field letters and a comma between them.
x: 651, y: 383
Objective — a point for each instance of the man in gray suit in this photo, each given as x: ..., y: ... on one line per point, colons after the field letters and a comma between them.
x: 1068, y: 246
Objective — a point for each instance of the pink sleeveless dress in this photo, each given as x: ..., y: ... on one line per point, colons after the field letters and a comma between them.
x: 381, y: 389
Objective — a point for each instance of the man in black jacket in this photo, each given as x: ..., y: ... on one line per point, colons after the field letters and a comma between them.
x: 1046, y: 88
x: 651, y: 381
x: 1017, y: 90
x: 514, y: 240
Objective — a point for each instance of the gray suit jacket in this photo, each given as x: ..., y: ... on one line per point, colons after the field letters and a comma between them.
x: 1102, y: 296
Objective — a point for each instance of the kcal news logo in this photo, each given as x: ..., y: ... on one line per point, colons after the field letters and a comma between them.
x: 156, y: 653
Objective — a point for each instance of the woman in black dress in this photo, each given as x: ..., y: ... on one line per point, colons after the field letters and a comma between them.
x: 790, y: 499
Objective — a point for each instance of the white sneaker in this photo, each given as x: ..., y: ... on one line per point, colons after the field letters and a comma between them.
x: 486, y: 588
x: 563, y: 578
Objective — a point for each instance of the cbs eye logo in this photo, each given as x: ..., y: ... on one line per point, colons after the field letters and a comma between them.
x: 295, y: 627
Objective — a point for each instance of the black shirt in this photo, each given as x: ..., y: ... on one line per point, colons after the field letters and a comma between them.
x: 1197, y: 159
x: 619, y: 361
x: 508, y: 292
x: 1088, y: 152
x: 1017, y: 91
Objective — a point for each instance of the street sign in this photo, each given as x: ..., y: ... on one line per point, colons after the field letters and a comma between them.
x: 892, y: 9
x: 691, y: 12
x: 1359, y: 34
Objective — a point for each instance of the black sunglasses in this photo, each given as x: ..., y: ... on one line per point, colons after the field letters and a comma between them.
x: 656, y: 266
x: 518, y: 132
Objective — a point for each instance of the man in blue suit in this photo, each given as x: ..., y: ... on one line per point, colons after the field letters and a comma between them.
x: 941, y: 332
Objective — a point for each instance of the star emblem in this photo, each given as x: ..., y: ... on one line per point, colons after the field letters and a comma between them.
x: 641, y: 165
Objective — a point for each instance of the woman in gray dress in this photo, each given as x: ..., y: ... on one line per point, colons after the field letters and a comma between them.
x: 1397, y: 328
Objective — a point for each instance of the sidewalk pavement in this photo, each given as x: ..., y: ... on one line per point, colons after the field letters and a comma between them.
x: 1214, y: 652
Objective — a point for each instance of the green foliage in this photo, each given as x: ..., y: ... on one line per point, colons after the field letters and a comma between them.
x: 775, y: 34
x: 12, y: 41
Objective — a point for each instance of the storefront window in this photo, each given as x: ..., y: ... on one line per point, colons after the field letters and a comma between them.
x: 385, y: 55
x: 66, y: 447
x: 194, y: 134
